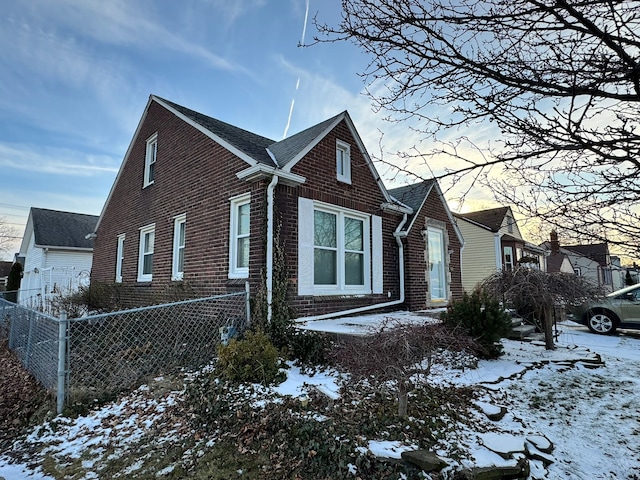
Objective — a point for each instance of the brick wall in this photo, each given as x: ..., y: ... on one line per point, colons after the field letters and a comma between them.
x: 363, y: 195
x: 193, y: 175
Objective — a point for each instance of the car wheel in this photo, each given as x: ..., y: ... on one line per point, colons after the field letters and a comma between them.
x: 601, y: 322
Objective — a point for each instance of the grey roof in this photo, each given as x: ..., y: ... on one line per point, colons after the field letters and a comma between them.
x: 412, y: 196
x: 53, y: 228
x: 491, y: 218
x: 595, y: 251
x: 253, y: 145
x: 286, y: 150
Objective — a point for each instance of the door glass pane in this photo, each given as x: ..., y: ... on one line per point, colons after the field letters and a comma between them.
x: 324, y: 267
x: 243, y: 252
x: 353, y: 234
x: 436, y: 264
x: 354, y: 268
x: 324, y: 229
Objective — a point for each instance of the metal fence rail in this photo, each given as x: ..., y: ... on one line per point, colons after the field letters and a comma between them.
x: 100, y: 355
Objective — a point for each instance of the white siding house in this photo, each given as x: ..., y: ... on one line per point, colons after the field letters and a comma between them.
x: 57, y: 254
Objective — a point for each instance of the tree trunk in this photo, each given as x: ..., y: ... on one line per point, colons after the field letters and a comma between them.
x: 403, y: 398
x: 548, y: 328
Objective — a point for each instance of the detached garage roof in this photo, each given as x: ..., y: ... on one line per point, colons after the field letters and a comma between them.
x: 56, y: 229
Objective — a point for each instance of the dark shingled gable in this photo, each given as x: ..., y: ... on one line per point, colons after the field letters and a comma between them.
x: 286, y: 150
x: 253, y: 145
x: 53, y: 228
x: 491, y: 218
x: 412, y: 196
x: 596, y: 251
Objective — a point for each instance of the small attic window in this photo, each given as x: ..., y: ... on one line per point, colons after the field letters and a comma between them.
x: 150, y: 160
x: 343, y: 161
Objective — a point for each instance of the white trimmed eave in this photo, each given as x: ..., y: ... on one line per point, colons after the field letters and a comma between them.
x: 262, y: 171
x: 57, y: 247
x: 238, y: 153
x: 396, y: 208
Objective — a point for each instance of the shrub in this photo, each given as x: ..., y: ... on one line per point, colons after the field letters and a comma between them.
x: 252, y: 359
x: 484, y: 320
x: 309, y: 348
x: 13, y: 282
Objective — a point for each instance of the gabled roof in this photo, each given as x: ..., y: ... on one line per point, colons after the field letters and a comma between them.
x: 555, y: 261
x: 412, y: 196
x: 287, y: 150
x: 491, y: 218
x: 596, y: 251
x: 253, y: 145
x: 56, y: 229
x: 415, y: 196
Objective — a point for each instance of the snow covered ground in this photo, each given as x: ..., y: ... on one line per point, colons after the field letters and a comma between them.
x: 582, y: 398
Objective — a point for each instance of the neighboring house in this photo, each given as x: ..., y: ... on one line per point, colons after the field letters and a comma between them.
x: 591, y: 261
x: 199, y: 204
x: 557, y: 261
x: 57, y: 253
x: 493, y: 242
x: 434, y: 245
x: 5, y: 268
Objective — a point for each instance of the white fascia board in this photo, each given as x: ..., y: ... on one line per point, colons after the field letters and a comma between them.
x: 366, y: 156
x: 312, y: 144
x: 124, y: 161
x: 238, y: 153
x: 265, y: 171
x: 72, y: 249
x: 26, y: 236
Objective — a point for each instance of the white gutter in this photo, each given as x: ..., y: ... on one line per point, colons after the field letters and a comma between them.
x: 270, y: 189
x: 398, y: 234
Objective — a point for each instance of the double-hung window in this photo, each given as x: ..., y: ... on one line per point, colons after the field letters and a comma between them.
x: 339, y: 250
x: 119, y: 258
x: 179, y: 227
x: 343, y: 161
x: 145, y: 256
x: 150, y: 158
x: 239, y: 236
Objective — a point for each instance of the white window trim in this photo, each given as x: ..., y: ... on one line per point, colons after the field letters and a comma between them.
x: 119, y: 257
x: 143, y: 231
x: 150, y: 156
x: 444, y: 265
x: 236, y: 203
x: 341, y: 288
x: 345, y: 148
x: 177, y: 222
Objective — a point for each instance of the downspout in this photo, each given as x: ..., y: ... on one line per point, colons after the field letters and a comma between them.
x: 270, y: 190
x: 399, y: 235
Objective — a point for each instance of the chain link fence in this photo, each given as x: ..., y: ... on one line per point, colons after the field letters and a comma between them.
x: 33, y: 337
x: 98, y: 356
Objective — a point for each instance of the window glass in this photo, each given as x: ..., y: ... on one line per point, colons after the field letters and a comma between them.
x: 324, y: 271
x: 324, y: 229
x: 147, y: 265
x: 239, y: 236
x: 354, y: 268
x: 437, y: 278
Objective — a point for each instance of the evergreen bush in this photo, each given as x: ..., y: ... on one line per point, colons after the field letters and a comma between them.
x: 483, y: 318
x: 13, y: 282
x: 251, y: 359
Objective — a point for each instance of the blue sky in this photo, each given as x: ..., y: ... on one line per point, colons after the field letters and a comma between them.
x: 75, y: 76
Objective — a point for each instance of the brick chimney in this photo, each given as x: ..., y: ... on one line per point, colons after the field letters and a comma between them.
x: 555, y: 244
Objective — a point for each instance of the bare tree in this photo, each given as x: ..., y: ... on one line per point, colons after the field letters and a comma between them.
x: 397, y: 354
x: 8, y: 235
x: 557, y: 82
x: 538, y: 295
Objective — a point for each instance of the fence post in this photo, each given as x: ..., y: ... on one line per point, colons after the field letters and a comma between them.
x: 247, y: 301
x: 62, y: 361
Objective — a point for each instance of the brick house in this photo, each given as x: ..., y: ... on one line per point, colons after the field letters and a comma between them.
x: 197, y: 204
